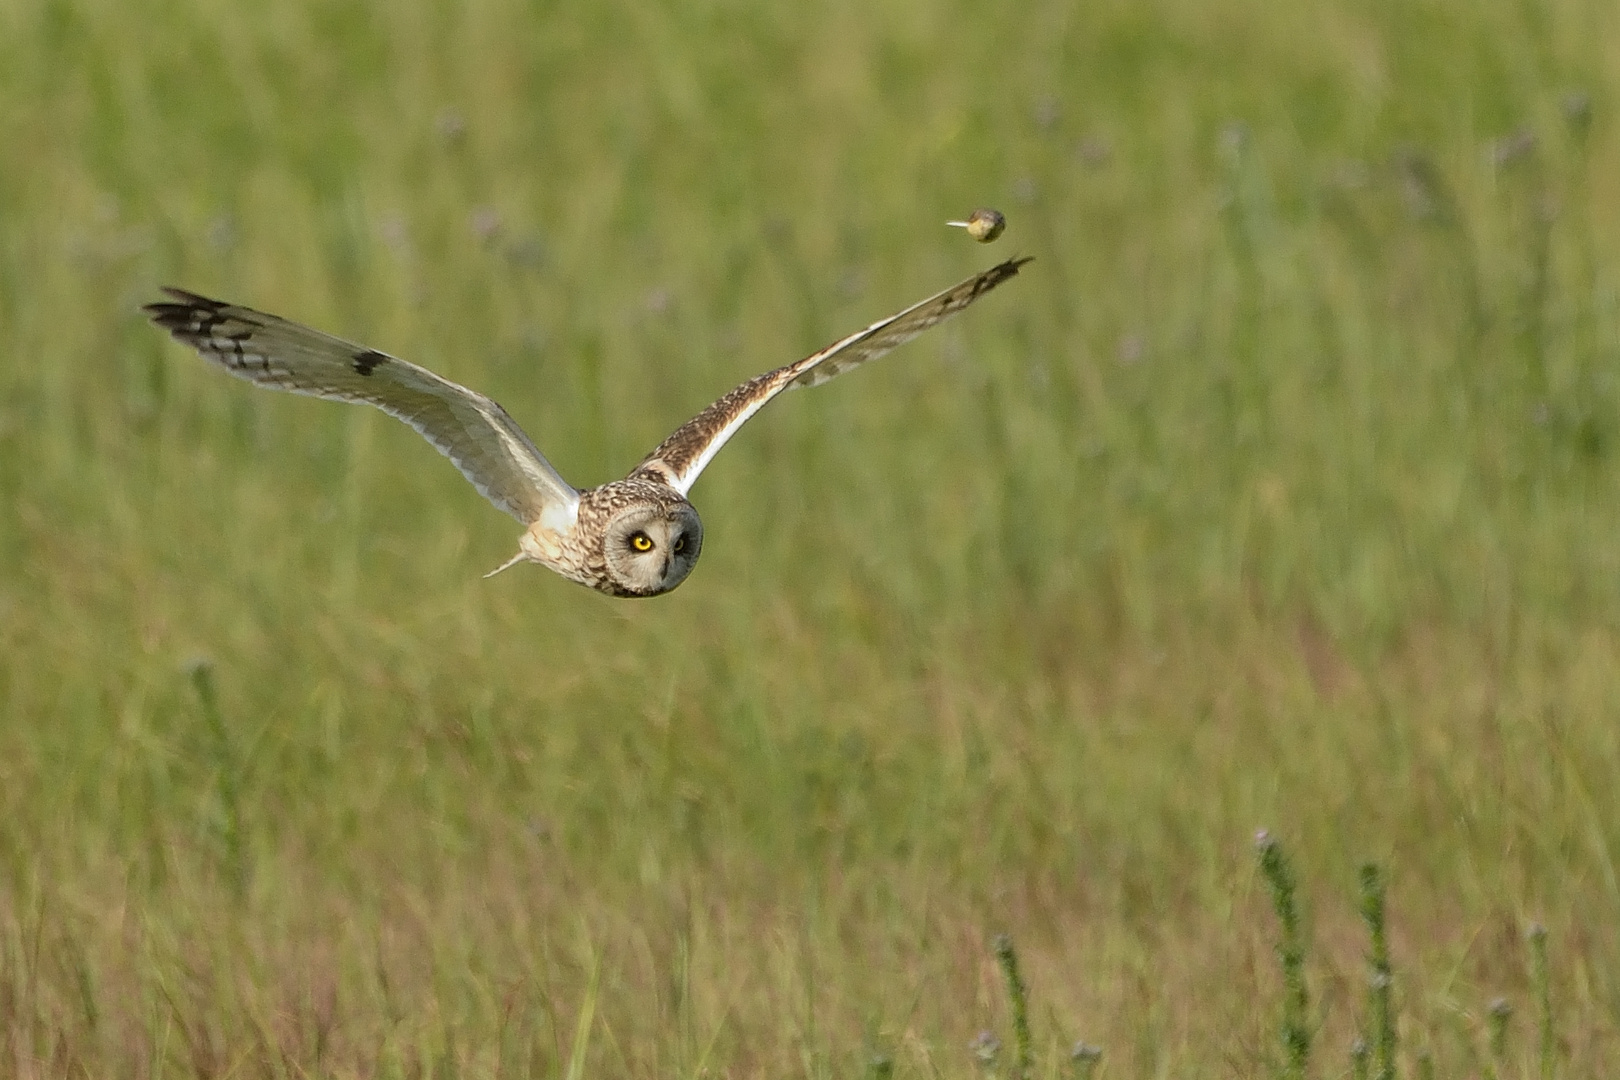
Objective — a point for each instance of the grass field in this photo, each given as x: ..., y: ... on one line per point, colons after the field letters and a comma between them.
x: 1282, y: 491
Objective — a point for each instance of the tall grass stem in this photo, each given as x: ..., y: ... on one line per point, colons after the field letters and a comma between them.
x: 227, y: 772
x: 1497, y: 1017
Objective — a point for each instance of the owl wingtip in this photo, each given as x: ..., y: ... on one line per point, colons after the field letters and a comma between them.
x: 180, y: 309
x: 186, y: 296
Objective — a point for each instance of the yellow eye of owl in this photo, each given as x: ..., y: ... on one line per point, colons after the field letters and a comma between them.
x: 680, y: 545
x: 641, y: 542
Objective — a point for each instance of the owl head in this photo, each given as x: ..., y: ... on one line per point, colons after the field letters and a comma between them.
x: 651, y: 548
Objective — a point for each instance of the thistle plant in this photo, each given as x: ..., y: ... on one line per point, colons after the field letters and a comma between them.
x: 1018, y: 1001
x: 1085, y: 1059
x: 1381, y: 978
x: 1540, y: 986
x: 1296, y: 1036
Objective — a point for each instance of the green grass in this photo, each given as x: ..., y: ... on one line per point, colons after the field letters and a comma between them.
x: 1282, y: 491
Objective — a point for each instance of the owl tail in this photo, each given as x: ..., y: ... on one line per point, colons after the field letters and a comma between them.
x: 521, y: 556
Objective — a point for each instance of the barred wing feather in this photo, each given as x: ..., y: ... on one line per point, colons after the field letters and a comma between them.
x: 680, y: 458
x: 468, y: 428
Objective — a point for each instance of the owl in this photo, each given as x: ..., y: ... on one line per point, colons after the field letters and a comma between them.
x: 633, y: 537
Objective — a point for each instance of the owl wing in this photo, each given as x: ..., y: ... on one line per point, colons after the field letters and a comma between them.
x: 680, y: 458
x: 468, y: 428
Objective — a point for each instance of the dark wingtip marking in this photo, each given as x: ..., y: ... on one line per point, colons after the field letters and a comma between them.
x: 1009, y: 268
x: 367, y: 362
x: 187, y: 302
x: 190, y: 317
x: 193, y: 299
x: 999, y: 273
x: 168, y: 316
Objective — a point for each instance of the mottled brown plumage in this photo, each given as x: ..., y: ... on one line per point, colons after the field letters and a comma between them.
x: 633, y: 537
x: 583, y: 553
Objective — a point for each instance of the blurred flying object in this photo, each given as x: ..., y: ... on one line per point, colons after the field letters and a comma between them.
x: 633, y: 537
x: 984, y: 224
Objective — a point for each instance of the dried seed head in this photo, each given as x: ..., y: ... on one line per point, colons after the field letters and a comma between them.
x: 451, y: 126
x: 1512, y: 148
x: 1577, y: 109
x: 1093, y: 150
x: 484, y: 222
x: 984, y: 224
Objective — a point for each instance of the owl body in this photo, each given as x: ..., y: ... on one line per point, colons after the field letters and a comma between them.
x: 638, y: 536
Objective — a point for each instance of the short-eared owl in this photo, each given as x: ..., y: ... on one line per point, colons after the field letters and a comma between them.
x: 632, y: 537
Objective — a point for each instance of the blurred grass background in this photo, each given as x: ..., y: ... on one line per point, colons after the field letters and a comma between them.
x: 1280, y: 491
